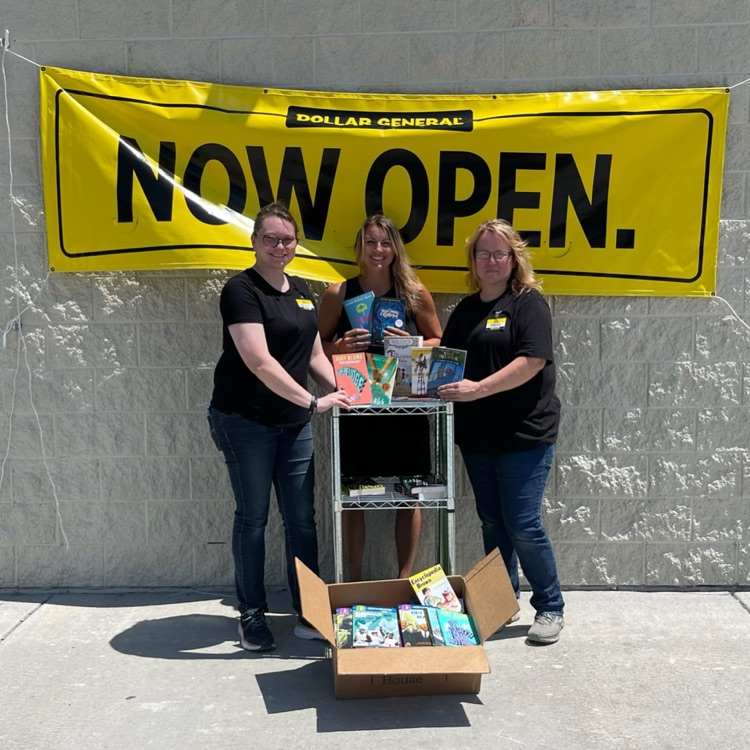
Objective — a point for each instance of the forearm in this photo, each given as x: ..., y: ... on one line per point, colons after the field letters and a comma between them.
x: 277, y: 379
x: 321, y: 371
x: 513, y: 375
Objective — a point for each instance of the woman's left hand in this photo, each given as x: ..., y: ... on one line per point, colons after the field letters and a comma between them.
x: 393, y: 331
x: 463, y: 390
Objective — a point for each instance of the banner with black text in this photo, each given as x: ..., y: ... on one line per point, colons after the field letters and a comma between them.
x: 616, y: 192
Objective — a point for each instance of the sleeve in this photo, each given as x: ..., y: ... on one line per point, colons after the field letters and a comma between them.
x: 533, y: 329
x: 240, y: 303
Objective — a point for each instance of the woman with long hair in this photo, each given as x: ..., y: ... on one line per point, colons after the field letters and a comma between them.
x: 401, y: 443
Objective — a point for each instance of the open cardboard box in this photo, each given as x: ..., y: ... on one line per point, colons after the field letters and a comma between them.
x: 384, y: 672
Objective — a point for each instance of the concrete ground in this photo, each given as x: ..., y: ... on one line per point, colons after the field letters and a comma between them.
x: 163, y: 670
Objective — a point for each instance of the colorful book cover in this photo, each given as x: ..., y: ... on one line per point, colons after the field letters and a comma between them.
x: 401, y: 347
x: 415, y: 628
x: 375, y: 627
x: 387, y: 312
x: 433, y: 589
x: 456, y: 628
x: 351, y: 373
x: 446, y: 366
x: 361, y: 486
x: 382, y: 373
x: 420, y: 369
x: 359, y: 310
x: 342, y: 622
x: 435, y: 631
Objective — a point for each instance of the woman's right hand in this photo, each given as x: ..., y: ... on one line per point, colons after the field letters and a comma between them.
x: 337, y: 398
x: 355, y: 340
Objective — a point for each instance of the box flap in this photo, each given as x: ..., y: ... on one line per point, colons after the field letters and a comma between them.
x: 316, y: 607
x: 427, y: 660
x: 489, y: 595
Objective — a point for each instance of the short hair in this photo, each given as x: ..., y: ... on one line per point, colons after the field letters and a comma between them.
x: 276, y: 209
x: 522, y: 276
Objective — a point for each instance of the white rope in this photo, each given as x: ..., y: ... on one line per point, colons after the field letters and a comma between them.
x: 15, y: 322
x: 741, y: 83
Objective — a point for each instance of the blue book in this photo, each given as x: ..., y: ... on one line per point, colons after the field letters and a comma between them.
x: 387, y: 312
x: 359, y: 310
x: 446, y: 366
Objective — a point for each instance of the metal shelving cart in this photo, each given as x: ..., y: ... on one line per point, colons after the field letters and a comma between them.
x: 442, y: 412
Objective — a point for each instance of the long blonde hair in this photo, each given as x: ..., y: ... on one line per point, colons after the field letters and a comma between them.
x: 522, y: 276
x: 407, y: 283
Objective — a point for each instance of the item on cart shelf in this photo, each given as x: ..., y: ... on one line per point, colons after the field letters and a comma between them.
x: 420, y: 369
x: 401, y: 347
x: 426, y: 485
x: 456, y: 628
x: 361, y: 486
x: 359, y: 310
x: 446, y: 366
x: 382, y: 374
x: 352, y: 374
x: 433, y: 589
x: 386, y: 312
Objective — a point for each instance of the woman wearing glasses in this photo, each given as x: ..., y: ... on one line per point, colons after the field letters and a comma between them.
x: 260, y: 415
x: 506, y: 412
x: 381, y: 445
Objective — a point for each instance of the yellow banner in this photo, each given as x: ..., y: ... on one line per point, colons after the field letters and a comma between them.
x: 617, y: 192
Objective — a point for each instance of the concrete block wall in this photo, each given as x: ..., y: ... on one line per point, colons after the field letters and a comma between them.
x: 107, y: 474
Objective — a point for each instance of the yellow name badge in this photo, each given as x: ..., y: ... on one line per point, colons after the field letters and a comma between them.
x: 496, y: 324
x: 306, y: 304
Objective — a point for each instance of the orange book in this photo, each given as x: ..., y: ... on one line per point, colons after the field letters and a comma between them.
x: 350, y: 371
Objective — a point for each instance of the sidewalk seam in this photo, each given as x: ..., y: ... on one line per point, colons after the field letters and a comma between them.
x: 742, y: 604
x: 5, y: 636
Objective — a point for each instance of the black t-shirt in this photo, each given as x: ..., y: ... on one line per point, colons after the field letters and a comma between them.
x: 290, y: 322
x: 495, y: 333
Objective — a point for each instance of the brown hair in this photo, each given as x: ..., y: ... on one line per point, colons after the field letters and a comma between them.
x: 522, y: 276
x: 407, y: 283
x: 278, y: 210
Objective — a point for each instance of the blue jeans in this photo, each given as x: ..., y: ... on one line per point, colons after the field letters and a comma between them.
x: 258, y: 456
x: 508, y: 489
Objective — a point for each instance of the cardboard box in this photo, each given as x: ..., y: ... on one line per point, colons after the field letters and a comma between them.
x: 386, y: 672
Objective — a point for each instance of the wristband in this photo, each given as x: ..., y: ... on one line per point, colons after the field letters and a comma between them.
x: 313, y: 404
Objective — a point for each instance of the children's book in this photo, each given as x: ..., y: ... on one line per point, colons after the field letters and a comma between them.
x: 420, y: 369
x: 361, y: 486
x: 351, y: 373
x: 433, y: 589
x: 435, y: 631
x: 426, y: 485
x: 415, y: 628
x: 457, y: 628
x: 375, y: 627
x: 401, y: 347
x: 387, y: 312
x: 342, y: 622
x: 446, y: 366
x: 382, y: 373
x: 359, y: 310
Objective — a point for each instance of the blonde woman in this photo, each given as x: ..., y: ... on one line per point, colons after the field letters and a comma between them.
x: 380, y: 445
x: 507, y: 412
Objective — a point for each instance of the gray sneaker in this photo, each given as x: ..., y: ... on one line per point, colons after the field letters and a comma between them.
x: 546, y: 627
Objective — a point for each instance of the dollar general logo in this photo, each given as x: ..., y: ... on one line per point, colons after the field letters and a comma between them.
x: 312, y: 117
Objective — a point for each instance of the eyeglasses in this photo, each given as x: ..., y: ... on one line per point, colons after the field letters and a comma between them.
x: 271, y: 241
x: 486, y: 254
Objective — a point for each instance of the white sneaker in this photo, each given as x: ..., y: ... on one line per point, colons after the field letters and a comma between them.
x: 546, y: 627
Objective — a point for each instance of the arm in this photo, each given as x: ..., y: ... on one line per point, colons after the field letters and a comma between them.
x: 250, y: 340
x: 515, y: 373
x: 320, y: 368
x: 354, y: 340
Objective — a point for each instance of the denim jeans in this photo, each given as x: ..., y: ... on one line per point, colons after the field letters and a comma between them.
x: 508, y: 489
x: 258, y: 456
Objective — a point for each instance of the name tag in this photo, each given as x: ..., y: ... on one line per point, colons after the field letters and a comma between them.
x: 496, y: 324
x: 306, y: 304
